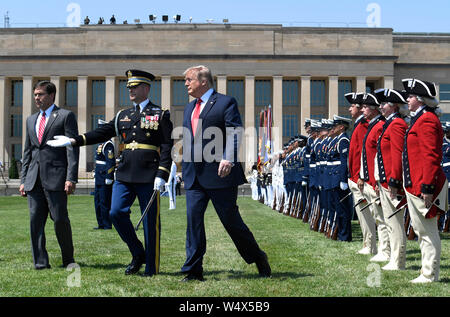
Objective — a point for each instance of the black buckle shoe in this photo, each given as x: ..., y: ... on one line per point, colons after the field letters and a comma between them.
x: 263, y: 266
x: 135, y: 265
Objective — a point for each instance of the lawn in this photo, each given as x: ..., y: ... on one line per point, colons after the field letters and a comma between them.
x: 304, y: 263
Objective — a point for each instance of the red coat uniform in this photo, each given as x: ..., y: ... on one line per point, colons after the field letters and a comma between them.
x: 370, y: 146
x: 422, y: 163
x: 354, y: 153
x: 390, y: 148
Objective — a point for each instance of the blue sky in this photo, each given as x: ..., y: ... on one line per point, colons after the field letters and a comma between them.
x: 401, y: 15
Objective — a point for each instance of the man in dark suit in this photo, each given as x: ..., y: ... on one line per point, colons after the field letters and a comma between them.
x: 49, y: 174
x: 215, y: 175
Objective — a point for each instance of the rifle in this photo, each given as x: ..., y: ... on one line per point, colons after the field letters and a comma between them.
x: 307, y: 208
x: 318, y: 215
x: 333, y: 232
x: 286, y: 212
x: 146, y: 209
x: 345, y: 197
x: 281, y: 210
x: 294, y: 202
x: 368, y: 205
x: 274, y: 203
x: 408, y: 227
x: 446, y: 222
x: 297, y: 208
x: 312, y: 211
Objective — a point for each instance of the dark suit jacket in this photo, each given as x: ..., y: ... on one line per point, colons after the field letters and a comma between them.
x: 220, y: 112
x: 53, y: 165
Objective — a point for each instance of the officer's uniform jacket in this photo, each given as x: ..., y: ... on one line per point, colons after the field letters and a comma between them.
x: 422, y: 156
x: 105, y: 163
x: 369, y: 150
x: 356, y: 141
x: 389, y: 151
x: 146, y: 143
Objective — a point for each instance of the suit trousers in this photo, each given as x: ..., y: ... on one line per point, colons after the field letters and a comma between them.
x: 377, y: 213
x: 366, y: 220
x: 396, y: 229
x: 41, y: 202
x: 224, y: 201
x: 428, y: 237
x: 123, y: 198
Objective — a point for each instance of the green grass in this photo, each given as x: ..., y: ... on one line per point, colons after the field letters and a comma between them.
x: 304, y: 263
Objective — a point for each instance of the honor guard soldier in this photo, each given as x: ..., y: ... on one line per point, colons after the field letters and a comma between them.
x: 145, y: 147
x: 105, y: 162
x: 340, y: 201
x: 389, y: 172
x: 444, y: 220
x: 367, y: 183
x: 366, y: 221
x: 424, y: 179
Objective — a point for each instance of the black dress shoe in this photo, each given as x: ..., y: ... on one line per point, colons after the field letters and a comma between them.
x: 135, y: 265
x: 98, y: 228
x: 193, y: 277
x: 40, y: 267
x: 264, y: 267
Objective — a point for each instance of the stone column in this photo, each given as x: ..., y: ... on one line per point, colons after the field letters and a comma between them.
x: 3, y: 118
x: 110, y: 98
x: 388, y: 81
x: 166, y: 90
x: 28, y: 104
x: 56, y: 80
x: 277, y: 108
x: 333, y: 95
x: 361, y: 84
x: 83, y: 120
x: 305, y: 101
x: 250, y: 142
x: 221, y: 84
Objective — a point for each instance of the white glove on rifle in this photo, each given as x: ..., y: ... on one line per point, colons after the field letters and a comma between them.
x: 343, y: 185
x: 159, y: 184
x: 108, y: 181
x: 60, y: 141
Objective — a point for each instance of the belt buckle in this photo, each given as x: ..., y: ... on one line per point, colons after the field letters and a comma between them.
x: 133, y: 145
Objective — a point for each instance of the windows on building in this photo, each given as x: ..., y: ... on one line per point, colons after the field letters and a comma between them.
x: 98, y: 93
x: 263, y: 92
x: 318, y: 93
x: 71, y: 97
x: 180, y: 95
x: 236, y: 89
x: 444, y: 92
x: 124, y: 97
x: 17, y: 93
x: 155, y: 92
x: 16, y: 125
x: 345, y: 86
x: 290, y: 125
x: 290, y: 93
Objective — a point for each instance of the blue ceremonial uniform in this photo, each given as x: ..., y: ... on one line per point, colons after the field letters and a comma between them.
x: 339, y: 174
x: 446, y: 166
x: 104, y: 176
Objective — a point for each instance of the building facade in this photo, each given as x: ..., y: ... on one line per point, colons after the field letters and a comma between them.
x: 300, y: 72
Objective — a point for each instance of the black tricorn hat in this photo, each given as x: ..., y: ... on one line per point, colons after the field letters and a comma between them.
x: 136, y: 77
x: 354, y: 97
x: 391, y: 95
x: 419, y: 87
x: 370, y: 100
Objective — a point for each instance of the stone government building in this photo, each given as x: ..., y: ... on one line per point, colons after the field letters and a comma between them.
x: 302, y: 72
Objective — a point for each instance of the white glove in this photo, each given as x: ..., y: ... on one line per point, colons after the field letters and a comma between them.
x: 343, y: 185
x: 108, y: 181
x: 159, y: 184
x: 60, y: 141
x: 304, y: 183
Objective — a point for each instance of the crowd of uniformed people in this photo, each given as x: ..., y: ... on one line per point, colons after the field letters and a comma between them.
x: 387, y: 166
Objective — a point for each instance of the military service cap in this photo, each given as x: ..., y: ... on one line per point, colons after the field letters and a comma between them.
x: 136, y: 77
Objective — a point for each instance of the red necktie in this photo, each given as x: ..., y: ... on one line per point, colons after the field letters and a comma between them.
x: 195, y: 116
x: 41, y: 127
